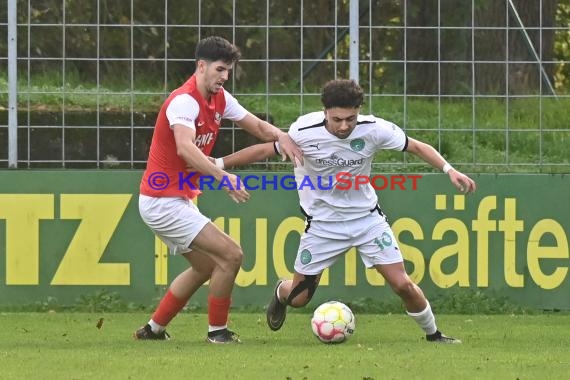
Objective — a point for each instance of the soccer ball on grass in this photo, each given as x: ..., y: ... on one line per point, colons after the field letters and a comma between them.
x: 333, y: 322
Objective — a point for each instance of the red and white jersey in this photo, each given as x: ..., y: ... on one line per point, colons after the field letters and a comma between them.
x: 187, y: 107
x: 325, y: 156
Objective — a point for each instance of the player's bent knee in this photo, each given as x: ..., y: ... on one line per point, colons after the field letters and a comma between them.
x: 232, y: 259
x: 236, y: 259
x: 405, y: 289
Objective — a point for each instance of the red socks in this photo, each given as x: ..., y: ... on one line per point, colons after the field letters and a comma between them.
x: 170, y: 306
x: 218, y: 310
x: 167, y: 309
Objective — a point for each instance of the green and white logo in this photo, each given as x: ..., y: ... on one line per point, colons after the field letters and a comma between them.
x: 357, y: 145
x: 305, y: 256
x: 386, y: 239
x: 383, y: 241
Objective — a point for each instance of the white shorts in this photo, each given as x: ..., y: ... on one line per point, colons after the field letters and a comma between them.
x: 325, y: 242
x: 176, y: 221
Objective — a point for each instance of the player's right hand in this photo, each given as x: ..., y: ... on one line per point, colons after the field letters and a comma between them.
x: 462, y: 182
x: 235, y: 189
x: 290, y: 150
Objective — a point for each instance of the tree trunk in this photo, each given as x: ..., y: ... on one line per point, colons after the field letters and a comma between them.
x: 491, y: 19
x: 524, y: 74
x: 421, y: 46
x: 526, y: 77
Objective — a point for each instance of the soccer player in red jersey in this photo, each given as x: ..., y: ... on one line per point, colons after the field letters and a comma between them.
x: 185, y: 132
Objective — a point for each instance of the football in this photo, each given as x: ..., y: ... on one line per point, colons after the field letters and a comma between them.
x: 333, y: 322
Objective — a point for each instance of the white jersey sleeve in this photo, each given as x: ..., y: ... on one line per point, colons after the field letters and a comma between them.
x: 184, y: 110
x: 234, y: 111
x: 306, y: 122
x: 388, y: 135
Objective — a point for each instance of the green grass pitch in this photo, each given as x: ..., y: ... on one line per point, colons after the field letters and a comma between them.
x: 71, y: 346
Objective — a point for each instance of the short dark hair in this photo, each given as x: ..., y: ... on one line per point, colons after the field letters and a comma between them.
x: 342, y: 93
x: 216, y: 48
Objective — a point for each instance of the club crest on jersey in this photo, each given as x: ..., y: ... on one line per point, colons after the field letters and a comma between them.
x: 217, y: 118
x: 357, y: 145
x: 305, y: 256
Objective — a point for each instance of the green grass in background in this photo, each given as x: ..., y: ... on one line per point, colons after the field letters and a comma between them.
x: 528, y: 135
x: 70, y: 346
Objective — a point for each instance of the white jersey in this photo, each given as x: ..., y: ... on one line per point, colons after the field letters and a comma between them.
x: 328, y: 158
x: 184, y: 109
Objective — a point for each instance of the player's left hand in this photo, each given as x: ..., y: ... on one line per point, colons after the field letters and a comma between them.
x: 462, y: 182
x: 290, y: 150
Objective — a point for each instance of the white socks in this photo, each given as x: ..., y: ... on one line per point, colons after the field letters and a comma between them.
x: 155, y: 327
x: 425, y: 319
x: 277, y: 293
x: 216, y: 328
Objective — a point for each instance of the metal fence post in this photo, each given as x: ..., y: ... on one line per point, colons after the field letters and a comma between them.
x: 12, y: 85
x: 354, y: 41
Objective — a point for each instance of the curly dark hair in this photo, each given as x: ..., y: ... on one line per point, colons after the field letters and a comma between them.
x: 216, y: 48
x: 342, y: 93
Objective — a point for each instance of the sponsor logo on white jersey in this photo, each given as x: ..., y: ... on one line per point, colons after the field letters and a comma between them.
x: 336, y: 160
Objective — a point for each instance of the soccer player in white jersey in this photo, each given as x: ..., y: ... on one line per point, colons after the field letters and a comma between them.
x: 340, y: 140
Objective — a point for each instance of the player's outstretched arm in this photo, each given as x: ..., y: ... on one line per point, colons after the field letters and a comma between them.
x: 428, y: 153
x: 268, y: 132
x: 254, y: 153
x: 194, y: 158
